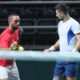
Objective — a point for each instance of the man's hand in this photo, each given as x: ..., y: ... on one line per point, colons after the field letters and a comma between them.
x: 50, y: 49
x: 74, y: 51
x: 46, y: 50
x: 14, y: 45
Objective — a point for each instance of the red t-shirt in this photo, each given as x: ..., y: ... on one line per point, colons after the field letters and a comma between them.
x: 6, y: 39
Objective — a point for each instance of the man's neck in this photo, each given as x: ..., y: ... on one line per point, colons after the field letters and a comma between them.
x: 67, y: 17
x: 11, y: 29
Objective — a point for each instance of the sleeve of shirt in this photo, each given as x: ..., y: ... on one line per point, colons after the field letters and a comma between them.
x: 76, y: 28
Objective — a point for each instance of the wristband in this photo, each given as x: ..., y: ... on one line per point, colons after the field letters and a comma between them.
x: 74, y: 51
x: 52, y: 48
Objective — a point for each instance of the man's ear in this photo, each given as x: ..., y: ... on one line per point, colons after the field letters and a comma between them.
x: 62, y: 13
x: 9, y: 21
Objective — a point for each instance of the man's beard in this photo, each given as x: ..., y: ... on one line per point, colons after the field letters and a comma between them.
x: 14, y: 28
x: 62, y: 18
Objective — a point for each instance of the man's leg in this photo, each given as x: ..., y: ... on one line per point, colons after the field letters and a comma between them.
x: 3, y: 73
x: 4, y: 79
x: 69, y: 78
x: 14, y: 74
x: 71, y: 71
x: 59, y: 71
x: 58, y: 78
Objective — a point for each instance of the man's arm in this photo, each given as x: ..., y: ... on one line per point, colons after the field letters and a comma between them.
x: 52, y: 48
x: 77, y: 47
x: 4, y: 48
x: 56, y: 45
x: 12, y: 47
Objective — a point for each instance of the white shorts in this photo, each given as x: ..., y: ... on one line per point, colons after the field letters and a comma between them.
x: 10, y: 72
x: 3, y: 73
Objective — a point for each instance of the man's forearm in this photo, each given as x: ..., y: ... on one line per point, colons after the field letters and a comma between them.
x: 4, y: 48
x: 56, y: 45
x: 77, y: 47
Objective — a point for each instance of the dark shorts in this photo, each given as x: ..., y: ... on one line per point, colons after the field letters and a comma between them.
x: 68, y: 69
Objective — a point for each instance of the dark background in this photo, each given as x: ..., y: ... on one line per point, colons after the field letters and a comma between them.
x: 36, y: 70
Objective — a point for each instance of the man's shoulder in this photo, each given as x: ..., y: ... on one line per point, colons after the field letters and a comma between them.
x: 60, y: 22
x: 74, y: 20
x: 5, y: 32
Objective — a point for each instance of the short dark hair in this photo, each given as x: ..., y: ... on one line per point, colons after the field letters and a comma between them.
x: 62, y: 7
x: 12, y: 14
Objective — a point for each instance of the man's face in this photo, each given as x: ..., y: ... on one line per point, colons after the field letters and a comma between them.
x: 59, y: 14
x: 14, y: 22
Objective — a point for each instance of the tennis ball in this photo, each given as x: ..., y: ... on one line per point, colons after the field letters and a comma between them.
x: 20, y: 48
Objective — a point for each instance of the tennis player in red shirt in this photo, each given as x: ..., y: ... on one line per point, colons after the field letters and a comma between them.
x: 9, y: 39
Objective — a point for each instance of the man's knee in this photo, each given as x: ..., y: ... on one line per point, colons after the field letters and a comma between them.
x: 56, y: 78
